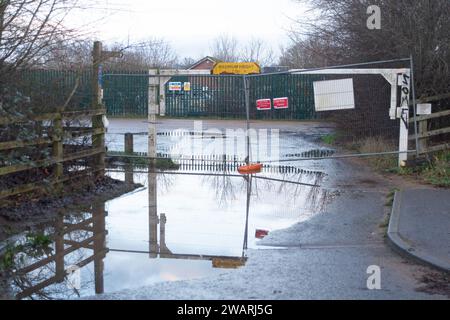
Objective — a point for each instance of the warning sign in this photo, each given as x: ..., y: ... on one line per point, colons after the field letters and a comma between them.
x: 175, y: 86
x: 281, y: 103
x: 187, y: 86
x: 264, y: 104
x: 236, y: 68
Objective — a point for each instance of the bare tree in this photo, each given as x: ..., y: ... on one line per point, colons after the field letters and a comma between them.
x: 257, y: 51
x: 225, y: 48
x: 228, y: 49
x: 69, y: 55
x: 29, y: 29
x: 187, y: 62
x: 152, y: 53
x: 339, y: 34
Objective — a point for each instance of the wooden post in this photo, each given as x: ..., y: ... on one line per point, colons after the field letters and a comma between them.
x: 423, y: 143
x: 59, y: 249
x: 57, y: 151
x: 129, y: 143
x: 129, y: 149
x: 98, y: 141
x: 98, y: 224
x: 153, y: 215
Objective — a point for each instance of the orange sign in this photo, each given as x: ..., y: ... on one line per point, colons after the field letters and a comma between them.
x: 236, y: 68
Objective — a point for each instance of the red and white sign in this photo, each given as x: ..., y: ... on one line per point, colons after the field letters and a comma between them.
x: 281, y: 103
x: 264, y: 104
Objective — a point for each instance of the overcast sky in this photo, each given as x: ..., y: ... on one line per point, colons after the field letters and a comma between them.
x: 190, y: 26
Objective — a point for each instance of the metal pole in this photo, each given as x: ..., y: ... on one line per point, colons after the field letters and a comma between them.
x: 413, y: 88
x: 247, y: 110
x: 249, y: 191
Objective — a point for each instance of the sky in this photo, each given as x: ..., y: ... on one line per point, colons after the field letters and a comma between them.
x: 189, y: 26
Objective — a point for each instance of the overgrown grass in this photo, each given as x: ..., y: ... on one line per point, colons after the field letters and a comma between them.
x: 435, y: 170
x: 378, y: 145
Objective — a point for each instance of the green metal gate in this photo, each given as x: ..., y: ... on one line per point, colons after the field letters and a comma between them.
x: 223, y: 96
x: 125, y: 94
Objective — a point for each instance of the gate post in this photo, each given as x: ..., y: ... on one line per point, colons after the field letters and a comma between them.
x: 57, y: 150
x: 403, y: 114
x: 153, y: 85
x: 98, y: 140
x: 247, y: 111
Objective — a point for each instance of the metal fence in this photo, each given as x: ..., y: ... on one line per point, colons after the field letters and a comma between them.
x: 372, y: 120
x: 223, y: 96
x: 124, y: 95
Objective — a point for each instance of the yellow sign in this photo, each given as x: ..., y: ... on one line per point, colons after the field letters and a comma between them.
x: 236, y: 68
x: 187, y: 86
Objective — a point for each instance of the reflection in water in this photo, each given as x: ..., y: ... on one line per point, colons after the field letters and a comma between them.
x: 39, y: 266
x: 40, y: 263
x: 163, y: 251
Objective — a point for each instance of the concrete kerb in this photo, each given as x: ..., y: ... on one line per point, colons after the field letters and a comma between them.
x: 403, y: 246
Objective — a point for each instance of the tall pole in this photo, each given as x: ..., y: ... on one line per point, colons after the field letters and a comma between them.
x: 247, y: 111
x: 413, y: 92
x: 249, y: 192
x: 153, y: 85
x: 153, y: 214
x: 98, y: 140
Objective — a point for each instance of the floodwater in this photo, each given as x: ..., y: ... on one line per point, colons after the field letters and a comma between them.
x: 180, y: 225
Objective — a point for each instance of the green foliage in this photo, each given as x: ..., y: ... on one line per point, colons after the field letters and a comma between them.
x: 329, y: 139
x: 35, y: 245
x: 435, y: 171
x: 390, y: 197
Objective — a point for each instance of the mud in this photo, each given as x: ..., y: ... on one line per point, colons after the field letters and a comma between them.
x: 29, y: 210
x: 435, y: 283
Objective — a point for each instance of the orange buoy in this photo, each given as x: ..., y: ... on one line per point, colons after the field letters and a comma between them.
x: 250, y: 168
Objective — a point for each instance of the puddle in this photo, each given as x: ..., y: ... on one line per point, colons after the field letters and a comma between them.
x: 181, y: 225
x: 177, y: 227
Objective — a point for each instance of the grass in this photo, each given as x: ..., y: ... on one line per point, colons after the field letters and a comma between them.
x: 378, y: 145
x: 434, y: 171
x: 390, y: 197
x: 437, y: 172
x: 329, y: 139
x: 387, y: 216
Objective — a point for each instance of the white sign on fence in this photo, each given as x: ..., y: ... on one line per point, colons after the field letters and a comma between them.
x: 334, y: 95
x: 174, y: 86
x: 423, y: 109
